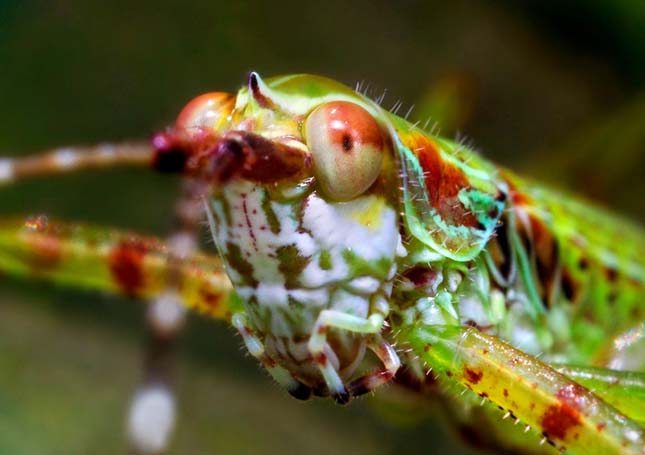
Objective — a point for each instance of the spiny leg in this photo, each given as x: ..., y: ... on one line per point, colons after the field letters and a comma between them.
x: 256, y: 349
x: 318, y: 346
x: 568, y: 415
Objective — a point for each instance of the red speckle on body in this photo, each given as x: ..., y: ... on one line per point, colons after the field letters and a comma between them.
x: 473, y: 376
x: 210, y: 298
x: 444, y: 181
x: 601, y: 426
x: 46, y: 252
x: 559, y: 418
x: 126, y: 265
x: 505, y: 393
x: 321, y: 359
x: 420, y: 276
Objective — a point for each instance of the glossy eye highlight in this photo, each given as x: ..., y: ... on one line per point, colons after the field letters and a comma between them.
x: 347, y: 147
x: 205, y: 112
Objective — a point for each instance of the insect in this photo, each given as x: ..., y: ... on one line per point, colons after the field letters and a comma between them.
x: 348, y: 236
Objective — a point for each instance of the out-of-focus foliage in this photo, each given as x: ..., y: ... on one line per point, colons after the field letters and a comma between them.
x: 552, y: 89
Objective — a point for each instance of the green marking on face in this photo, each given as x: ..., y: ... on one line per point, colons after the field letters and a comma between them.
x: 361, y: 267
x: 272, y: 219
x: 325, y: 261
x: 226, y: 208
x: 483, y: 205
x: 292, y: 263
x: 236, y: 261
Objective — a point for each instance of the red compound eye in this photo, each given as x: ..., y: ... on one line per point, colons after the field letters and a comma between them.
x: 206, y: 113
x: 347, y: 147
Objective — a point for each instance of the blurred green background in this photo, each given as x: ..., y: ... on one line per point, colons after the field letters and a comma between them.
x: 551, y: 89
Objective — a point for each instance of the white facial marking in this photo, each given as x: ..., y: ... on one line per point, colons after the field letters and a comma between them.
x: 364, y: 285
x: 335, y: 226
x: 349, y: 303
x: 271, y: 294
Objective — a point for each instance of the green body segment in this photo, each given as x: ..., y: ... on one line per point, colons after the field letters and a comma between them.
x: 599, y: 274
x: 579, y: 269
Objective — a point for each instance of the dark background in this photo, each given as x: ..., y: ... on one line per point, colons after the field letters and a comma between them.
x: 553, y: 90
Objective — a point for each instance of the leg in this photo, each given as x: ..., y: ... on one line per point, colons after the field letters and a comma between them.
x: 566, y: 414
x: 73, y: 159
x: 256, y: 349
x: 117, y: 262
x: 318, y: 345
x: 151, y: 424
x: 391, y: 363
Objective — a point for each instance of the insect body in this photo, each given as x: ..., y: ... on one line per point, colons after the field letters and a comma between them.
x: 345, y: 230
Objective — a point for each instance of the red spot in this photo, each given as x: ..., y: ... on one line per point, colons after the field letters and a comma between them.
x: 473, y: 376
x: 559, y: 418
x: 420, y: 276
x: 505, y: 393
x: 444, y: 181
x: 612, y: 274
x: 210, y: 298
x: 126, y: 265
x: 569, y: 286
x: 45, y: 252
x: 321, y: 359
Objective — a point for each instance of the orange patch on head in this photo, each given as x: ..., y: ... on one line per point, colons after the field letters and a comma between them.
x: 443, y: 181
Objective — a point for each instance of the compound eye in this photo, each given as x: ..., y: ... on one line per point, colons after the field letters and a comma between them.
x: 206, y: 113
x: 347, y: 148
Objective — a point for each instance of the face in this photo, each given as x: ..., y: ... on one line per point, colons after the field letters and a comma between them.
x: 302, y: 209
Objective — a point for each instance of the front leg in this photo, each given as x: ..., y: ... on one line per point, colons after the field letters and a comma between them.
x: 567, y: 415
x: 256, y: 349
x: 318, y: 347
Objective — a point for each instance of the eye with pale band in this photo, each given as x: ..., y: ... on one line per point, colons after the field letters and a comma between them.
x: 347, y: 148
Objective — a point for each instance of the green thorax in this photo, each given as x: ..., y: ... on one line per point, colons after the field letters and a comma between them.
x: 569, y: 275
